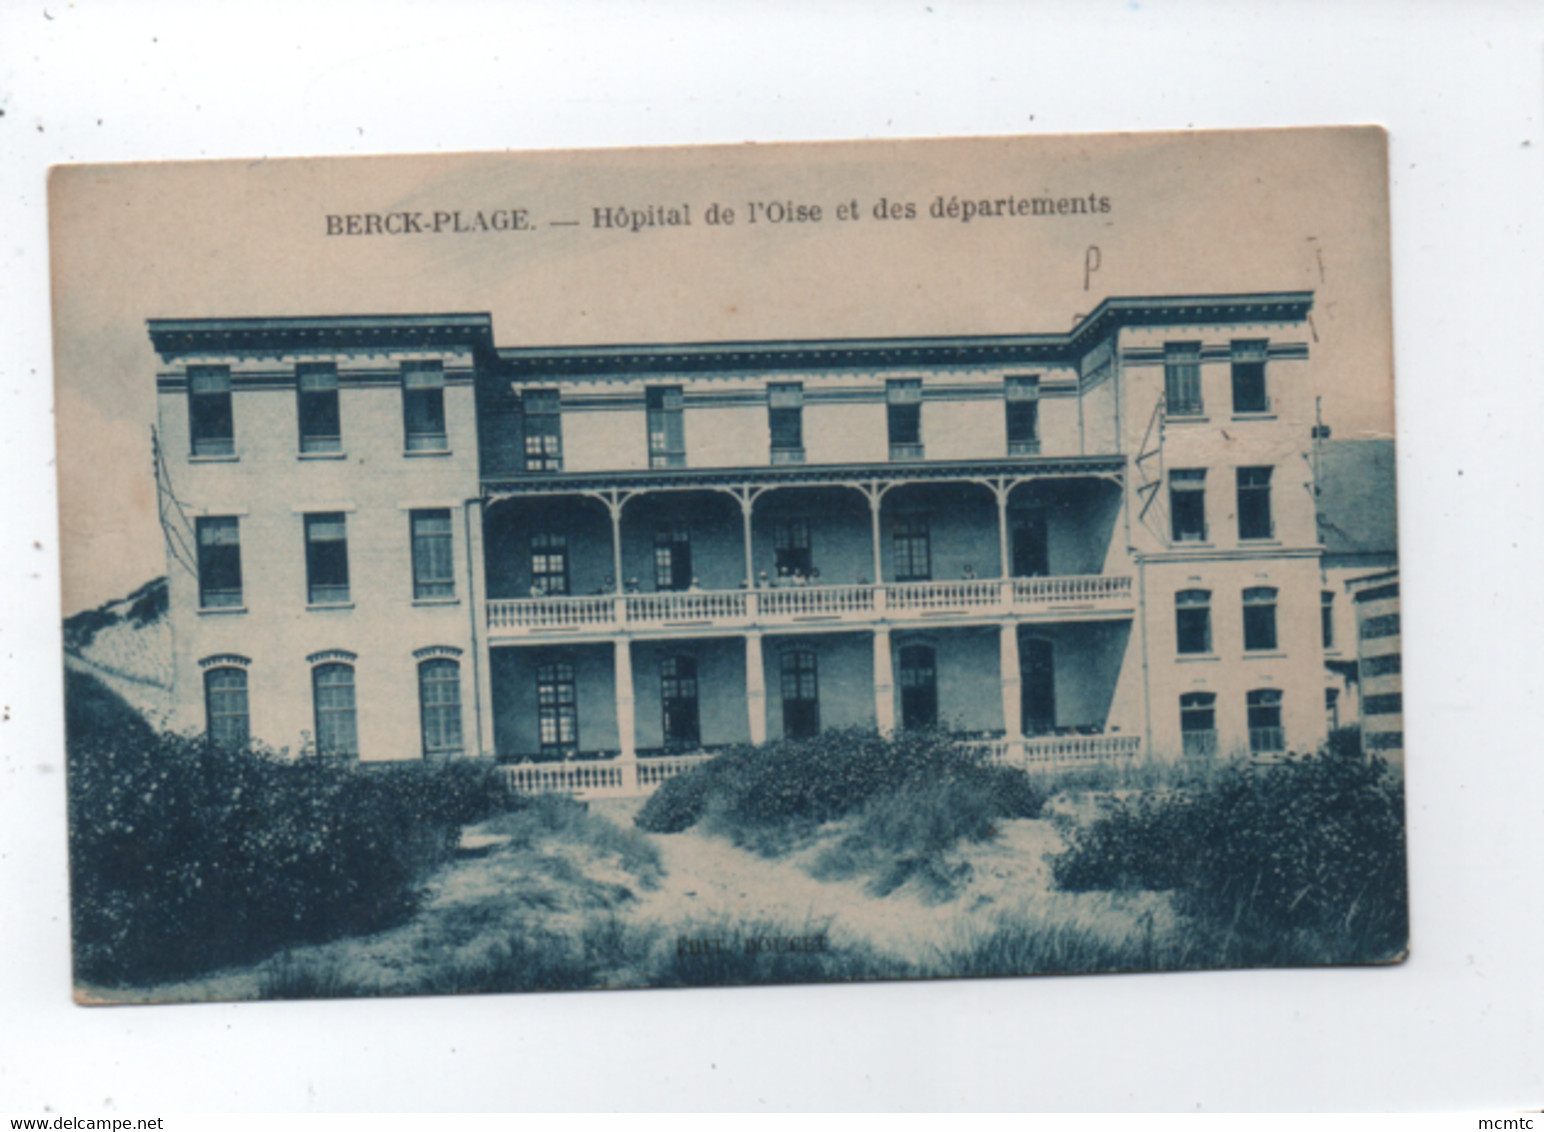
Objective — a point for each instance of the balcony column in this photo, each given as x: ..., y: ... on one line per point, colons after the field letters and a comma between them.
x: 755, y: 689
x: 1001, y: 491
x: 626, y: 725
x: 1013, y: 682
x: 884, y: 684
x: 747, y: 508
x: 874, y: 498
x: 1005, y: 557
x: 614, y: 506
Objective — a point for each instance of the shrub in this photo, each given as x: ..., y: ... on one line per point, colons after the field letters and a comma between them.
x: 816, y: 780
x: 185, y: 857
x: 1300, y: 861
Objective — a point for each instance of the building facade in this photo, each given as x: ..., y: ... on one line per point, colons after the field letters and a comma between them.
x: 394, y: 539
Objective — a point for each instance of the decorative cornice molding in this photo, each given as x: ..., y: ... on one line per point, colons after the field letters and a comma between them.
x: 225, y: 660
x: 326, y: 655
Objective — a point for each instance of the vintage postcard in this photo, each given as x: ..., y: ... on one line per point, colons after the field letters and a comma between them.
x: 524, y: 571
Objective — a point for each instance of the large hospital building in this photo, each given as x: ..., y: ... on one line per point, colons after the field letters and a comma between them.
x: 396, y: 539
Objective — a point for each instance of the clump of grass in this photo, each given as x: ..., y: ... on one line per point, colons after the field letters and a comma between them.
x: 735, y: 952
x: 552, y: 817
x: 289, y: 976
x: 906, y: 835
x: 1052, y: 942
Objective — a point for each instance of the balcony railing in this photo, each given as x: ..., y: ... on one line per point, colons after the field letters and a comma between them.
x: 1058, y: 750
x: 631, y: 778
x: 769, y: 608
x: 614, y: 778
x: 944, y: 596
x: 815, y: 601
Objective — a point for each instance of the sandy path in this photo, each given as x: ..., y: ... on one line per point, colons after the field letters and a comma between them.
x: 708, y: 879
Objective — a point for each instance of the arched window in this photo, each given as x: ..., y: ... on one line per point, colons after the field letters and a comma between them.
x: 337, y: 731
x: 801, y: 694
x: 439, y: 706
x: 1198, y: 723
x: 919, y: 686
x: 225, y: 706
x: 1265, y: 732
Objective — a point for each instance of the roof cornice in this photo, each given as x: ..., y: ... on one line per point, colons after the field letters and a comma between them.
x: 182, y: 337
x: 179, y: 337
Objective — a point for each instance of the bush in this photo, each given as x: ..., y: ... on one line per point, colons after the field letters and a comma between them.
x: 1300, y: 861
x: 185, y: 857
x: 915, y: 796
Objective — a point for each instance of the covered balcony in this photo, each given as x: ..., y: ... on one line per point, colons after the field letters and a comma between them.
x: 682, y: 552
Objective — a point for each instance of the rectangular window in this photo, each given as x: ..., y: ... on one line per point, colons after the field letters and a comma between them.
x: 321, y: 427
x: 904, y: 417
x: 434, y: 571
x: 543, y: 430
x: 1023, y: 405
x: 1182, y: 379
x: 791, y: 549
x: 1259, y: 619
x: 1198, y: 723
x: 1386, y: 665
x: 219, y: 563
x: 1384, y: 740
x: 1327, y: 617
x: 439, y: 706
x: 1193, y: 621
x: 211, y: 421
x: 225, y: 705
x: 913, y: 551
x: 1187, y: 504
x: 557, y: 710
x: 549, y: 565
x: 337, y: 731
x: 667, y: 426
x: 1249, y: 394
x: 1385, y: 703
x: 1254, y: 503
x: 673, y: 559
x: 1265, y: 732
x: 1375, y: 628
x: 327, y: 559
x: 423, y: 406
x: 785, y: 418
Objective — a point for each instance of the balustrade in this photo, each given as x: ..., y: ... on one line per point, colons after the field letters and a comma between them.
x: 1055, y: 750
x: 690, y: 605
x: 767, y: 608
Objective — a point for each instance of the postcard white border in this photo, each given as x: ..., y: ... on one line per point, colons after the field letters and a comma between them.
x: 1461, y: 89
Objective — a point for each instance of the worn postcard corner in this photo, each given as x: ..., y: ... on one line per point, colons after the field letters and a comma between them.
x: 502, y: 572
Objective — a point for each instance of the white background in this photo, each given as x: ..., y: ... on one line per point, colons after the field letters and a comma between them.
x: 1460, y: 87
